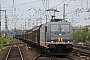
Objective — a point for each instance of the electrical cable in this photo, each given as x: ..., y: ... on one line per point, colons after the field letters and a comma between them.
x: 23, y: 4
x: 59, y: 4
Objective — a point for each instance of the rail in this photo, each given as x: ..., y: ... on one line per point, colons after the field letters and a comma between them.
x: 14, y: 53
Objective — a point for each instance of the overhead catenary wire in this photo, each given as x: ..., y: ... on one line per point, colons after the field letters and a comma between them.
x: 22, y: 4
x: 67, y: 12
x: 82, y: 4
x: 59, y: 3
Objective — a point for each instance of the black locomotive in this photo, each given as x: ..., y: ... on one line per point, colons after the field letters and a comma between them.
x: 54, y: 37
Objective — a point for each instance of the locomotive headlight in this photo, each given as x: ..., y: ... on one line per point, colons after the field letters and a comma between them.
x: 68, y: 41
x: 60, y: 34
x: 51, y: 41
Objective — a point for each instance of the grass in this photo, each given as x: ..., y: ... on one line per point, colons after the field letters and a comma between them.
x: 5, y: 41
x: 1, y: 47
x: 87, y: 40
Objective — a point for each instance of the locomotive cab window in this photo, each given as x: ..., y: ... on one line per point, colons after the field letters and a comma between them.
x: 55, y: 28
x: 65, y: 28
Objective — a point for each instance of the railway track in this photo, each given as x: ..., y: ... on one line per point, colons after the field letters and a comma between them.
x: 68, y: 57
x: 75, y: 55
x: 82, y: 47
x: 82, y: 51
x: 14, y: 53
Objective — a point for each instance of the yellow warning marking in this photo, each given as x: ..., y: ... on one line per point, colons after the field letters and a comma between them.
x: 60, y: 39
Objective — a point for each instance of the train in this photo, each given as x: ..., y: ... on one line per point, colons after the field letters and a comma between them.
x: 54, y: 37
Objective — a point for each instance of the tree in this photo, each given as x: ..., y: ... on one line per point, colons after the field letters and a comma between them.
x: 85, y: 29
x: 88, y: 35
x: 80, y: 35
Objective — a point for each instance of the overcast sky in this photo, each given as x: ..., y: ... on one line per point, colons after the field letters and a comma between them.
x: 25, y: 13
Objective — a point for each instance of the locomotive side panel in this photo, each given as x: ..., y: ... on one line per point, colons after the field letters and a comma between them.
x: 42, y: 36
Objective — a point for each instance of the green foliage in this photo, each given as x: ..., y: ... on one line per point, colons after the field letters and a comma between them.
x: 13, y: 40
x: 85, y: 29
x: 88, y: 35
x: 5, y: 41
x: 1, y: 47
x: 80, y: 35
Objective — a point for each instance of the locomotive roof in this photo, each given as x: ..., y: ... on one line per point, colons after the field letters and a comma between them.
x: 35, y: 28
x: 56, y: 20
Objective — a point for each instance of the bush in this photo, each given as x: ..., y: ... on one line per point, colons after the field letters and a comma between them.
x: 81, y: 35
x: 1, y: 47
x: 88, y: 35
x: 5, y: 41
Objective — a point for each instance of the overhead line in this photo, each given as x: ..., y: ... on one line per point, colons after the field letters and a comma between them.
x: 67, y: 3
x: 23, y: 4
x: 59, y: 4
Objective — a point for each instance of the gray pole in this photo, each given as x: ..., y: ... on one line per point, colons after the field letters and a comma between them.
x: 46, y: 18
x: 29, y: 23
x: 6, y: 29
x: 64, y: 12
x: 36, y: 22
x: 25, y: 30
x: 40, y: 17
x: 6, y: 25
x: 33, y: 23
x: 80, y: 28
x: 21, y: 28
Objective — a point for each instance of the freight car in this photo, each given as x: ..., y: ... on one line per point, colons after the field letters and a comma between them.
x: 54, y: 37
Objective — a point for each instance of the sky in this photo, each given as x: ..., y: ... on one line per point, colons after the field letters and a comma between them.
x: 24, y: 14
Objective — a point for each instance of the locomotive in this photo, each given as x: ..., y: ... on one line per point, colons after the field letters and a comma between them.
x: 54, y: 37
